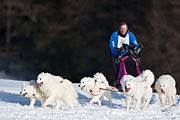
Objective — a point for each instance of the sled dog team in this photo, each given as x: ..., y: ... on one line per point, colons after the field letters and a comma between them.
x: 49, y: 88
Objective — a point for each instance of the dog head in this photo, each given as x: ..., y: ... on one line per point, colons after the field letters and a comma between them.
x: 124, y: 80
x: 99, y: 76
x: 43, y: 78
x: 128, y: 85
x: 162, y: 86
x: 87, y: 83
x: 99, y: 83
x: 127, y: 82
x: 28, y: 89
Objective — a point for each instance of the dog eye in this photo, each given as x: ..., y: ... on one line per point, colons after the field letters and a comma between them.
x: 163, y: 85
x: 24, y: 89
x: 40, y: 78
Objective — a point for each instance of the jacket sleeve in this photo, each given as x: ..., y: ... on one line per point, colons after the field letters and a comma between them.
x: 113, y: 44
x: 133, y: 39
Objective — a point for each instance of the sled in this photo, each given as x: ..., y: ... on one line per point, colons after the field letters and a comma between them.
x: 129, y: 64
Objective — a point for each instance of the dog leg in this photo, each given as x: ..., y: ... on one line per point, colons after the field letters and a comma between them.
x: 99, y: 102
x: 174, y: 99
x: 42, y: 101
x: 138, y: 102
x: 162, y: 99
x: 94, y: 99
x: 169, y: 100
x: 32, y: 102
x: 48, y: 101
x: 57, y: 105
x: 146, y: 103
x: 128, y: 104
x: 128, y: 101
x: 107, y: 94
x: 71, y: 106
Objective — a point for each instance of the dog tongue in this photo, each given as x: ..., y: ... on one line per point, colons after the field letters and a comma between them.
x: 127, y: 89
x: 82, y: 87
x: 39, y: 84
x: 163, y: 91
x: 24, y: 94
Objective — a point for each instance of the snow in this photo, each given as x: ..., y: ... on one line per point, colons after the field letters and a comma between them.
x: 15, y: 107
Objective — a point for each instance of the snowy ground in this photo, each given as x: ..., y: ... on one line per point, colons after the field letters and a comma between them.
x: 15, y: 107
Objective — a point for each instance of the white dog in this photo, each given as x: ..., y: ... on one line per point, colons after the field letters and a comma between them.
x: 165, y: 86
x: 56, y: 89
x: 138, y: 89
x: 95, y: 86
x: 30, y: 89
x: 149, y: 78
x: 101, y: 77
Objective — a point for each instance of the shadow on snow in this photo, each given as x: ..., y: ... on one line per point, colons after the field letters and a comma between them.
x: 16, y: 98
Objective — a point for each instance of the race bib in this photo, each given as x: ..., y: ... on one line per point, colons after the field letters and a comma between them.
x: 122, y: 40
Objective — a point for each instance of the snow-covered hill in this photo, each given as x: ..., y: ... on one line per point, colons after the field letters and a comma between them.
x: 15, y: 107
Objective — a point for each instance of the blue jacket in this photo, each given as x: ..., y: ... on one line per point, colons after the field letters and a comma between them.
x: 114, y: 42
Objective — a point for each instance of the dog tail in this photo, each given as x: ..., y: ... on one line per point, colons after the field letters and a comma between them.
x: 148, y: 77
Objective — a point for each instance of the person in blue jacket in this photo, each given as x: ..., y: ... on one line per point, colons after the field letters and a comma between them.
x: 118, y: 39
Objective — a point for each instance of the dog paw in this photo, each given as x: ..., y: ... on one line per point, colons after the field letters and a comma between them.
x: 31, y: 106
x: 174, y: 105
x: 54, y: 108
x: 162, y: 105
x: 90, y: 103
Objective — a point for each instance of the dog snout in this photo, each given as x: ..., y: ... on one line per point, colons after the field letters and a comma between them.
x: 79, y: 85
x: 20, y: 92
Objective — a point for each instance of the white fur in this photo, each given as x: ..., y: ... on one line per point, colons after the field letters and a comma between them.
x: 93, y: 85
x: 56, y: 89
x: 138, y: 88
x: 165, y: 86
x: 147, y: 76
x: 102, y: 78
x: 30, y: 89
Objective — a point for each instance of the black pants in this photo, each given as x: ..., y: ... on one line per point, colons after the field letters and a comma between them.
x: 130, y: 65
x: 116, y: 63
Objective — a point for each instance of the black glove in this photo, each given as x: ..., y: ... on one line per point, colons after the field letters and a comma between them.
x: 124, y: 46
x: 137, y: 49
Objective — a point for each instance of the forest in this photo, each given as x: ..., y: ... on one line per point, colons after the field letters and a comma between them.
x: 70, y: 38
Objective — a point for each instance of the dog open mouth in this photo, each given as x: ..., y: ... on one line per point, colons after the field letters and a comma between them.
x: 127, y: 89
x: 24, y: 94
x: 83, y: 87
x: 39, y: 84
x: 162, y: 91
